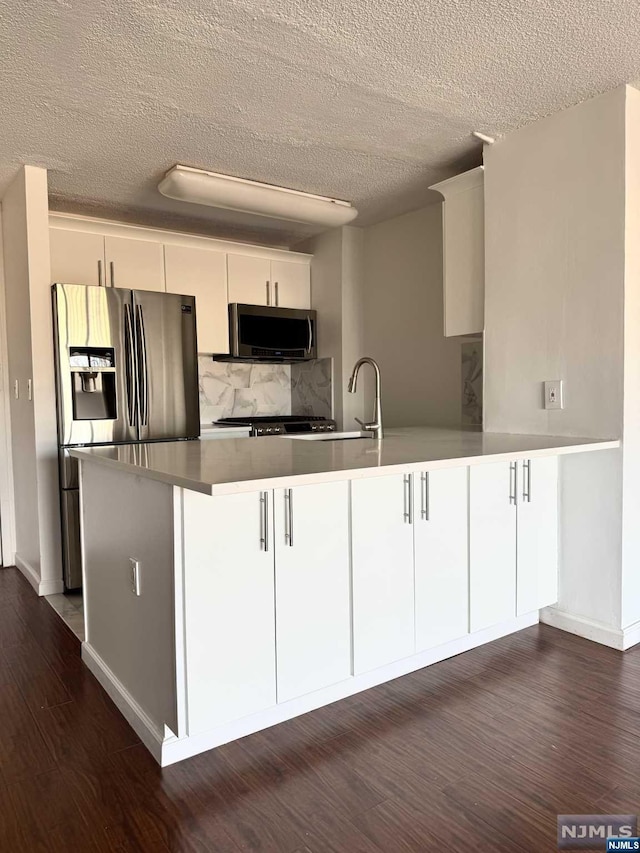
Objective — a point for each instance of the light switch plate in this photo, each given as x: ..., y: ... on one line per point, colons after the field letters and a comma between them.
x: 134, y: 575
x: 553, y: 394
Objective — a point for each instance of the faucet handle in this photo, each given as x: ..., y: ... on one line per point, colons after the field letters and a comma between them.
x: 370, y: 427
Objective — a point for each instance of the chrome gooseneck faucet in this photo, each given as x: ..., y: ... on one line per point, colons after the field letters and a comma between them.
x: 375, y: 426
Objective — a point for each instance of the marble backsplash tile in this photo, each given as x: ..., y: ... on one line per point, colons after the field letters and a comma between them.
x: 311, y: 388
x: 472, y: 382
x: 232, y: 389
x: 229, y: 389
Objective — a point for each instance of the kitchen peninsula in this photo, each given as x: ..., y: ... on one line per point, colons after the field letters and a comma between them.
x: 233, y: 584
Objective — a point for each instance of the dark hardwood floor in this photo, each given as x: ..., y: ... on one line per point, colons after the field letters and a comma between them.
x: 478, y: 753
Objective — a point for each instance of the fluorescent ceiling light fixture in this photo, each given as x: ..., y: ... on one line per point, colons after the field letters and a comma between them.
x: 215, y: 190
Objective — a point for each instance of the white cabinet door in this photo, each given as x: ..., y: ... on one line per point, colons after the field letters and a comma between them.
x: 202, y: 273
x: 382, y: 566
x: 313, y: 607
x: 138, y: 264
x: 291, y: 284
x: 537, y: 573
x: 229, y: 608
x: 77, y: 257
x: 249, y: 280
x: 441, y: 556
x: 492, y: 545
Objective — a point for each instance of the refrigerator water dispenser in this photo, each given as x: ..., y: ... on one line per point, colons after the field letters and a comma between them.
x: 93, y: 383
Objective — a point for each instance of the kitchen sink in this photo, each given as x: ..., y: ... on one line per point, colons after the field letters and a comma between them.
x: 332, y: 436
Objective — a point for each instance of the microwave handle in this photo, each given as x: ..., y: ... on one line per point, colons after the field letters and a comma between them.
x: 310, y: 346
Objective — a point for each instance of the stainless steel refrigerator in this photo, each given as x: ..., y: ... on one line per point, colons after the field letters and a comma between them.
x: 126, y: 372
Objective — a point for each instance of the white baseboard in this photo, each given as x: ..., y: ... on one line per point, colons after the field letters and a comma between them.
x: 29, y: 572
x: 150, y: 735
x: 167, y: 749
x: 50, y: 587
x: 590, y: 629
x: 631, y: 636
x: 42, y: 587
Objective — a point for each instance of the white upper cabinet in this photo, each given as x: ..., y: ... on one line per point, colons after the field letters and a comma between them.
x: 86, y: 251
x: 441, y: 556
x: 260, y: 281
x: 135, y: 264
x: 77, y: 257
x: 537, y: 574
x: 249, y: 279
x: 229, y: 607
x: 492, y: 544
x: 382, y: 566
x: 463, y: 252
x: 291, y: 284
x: 201, y: 273
x: 313, y: 612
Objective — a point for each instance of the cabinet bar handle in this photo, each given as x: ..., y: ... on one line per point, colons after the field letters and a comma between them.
x: 513, y: 483
x: 288, y: 529
x: 264, y: 521
x: 424, y: 492
x: 100, y: 283
x: 275, y: 287
x: 408, y: 498
x: 526, y: 481
x: 268, y: 293
x: 112, y: 274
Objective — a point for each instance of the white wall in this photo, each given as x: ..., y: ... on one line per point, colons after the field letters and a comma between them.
x: 631, y: 415
x: 7, y: 508
x: 403, y: 320
x: 25, y: 229
x: 563, y: 302
x: 337, y: 280
x: 18, y: 319
x: 554, y: 260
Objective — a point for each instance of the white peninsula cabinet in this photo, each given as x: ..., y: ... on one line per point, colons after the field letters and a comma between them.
x: 266, y: 592
x: 513, y: 539
x: 537, y: 534
x: 229, y: 598
x: 228, y: 607
x: 313, y: 612
x: 383, y: 586
x: 441, y: 524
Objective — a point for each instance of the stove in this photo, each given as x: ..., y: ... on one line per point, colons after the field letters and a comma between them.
x: 281, y: 424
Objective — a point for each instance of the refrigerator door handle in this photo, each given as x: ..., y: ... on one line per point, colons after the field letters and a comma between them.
x: 143, y: 370
x: 130, y: 371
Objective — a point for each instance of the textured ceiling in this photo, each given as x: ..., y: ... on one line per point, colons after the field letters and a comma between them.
x: 368, y: 100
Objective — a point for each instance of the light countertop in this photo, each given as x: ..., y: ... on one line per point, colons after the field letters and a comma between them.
x: 241, y: 465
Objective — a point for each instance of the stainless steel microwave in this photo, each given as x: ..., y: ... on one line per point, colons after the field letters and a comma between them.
x: 259, y: 332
